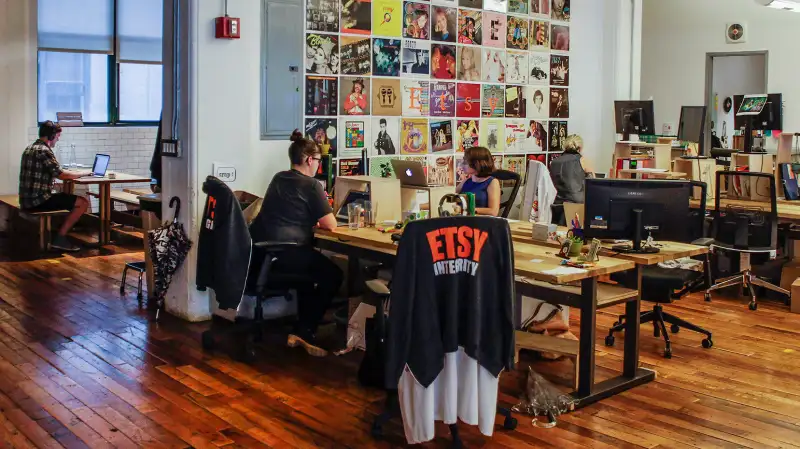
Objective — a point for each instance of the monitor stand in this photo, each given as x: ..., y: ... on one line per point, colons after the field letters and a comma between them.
x: 637, y: 238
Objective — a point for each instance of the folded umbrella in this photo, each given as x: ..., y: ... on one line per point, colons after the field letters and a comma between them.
x: 169, y: 246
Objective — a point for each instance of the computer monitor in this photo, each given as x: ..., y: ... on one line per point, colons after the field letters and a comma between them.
x: 752, y: 105
x: 634, y: 117
x: 692, y: 125
x: 633, y: 209
x: 770, y: 119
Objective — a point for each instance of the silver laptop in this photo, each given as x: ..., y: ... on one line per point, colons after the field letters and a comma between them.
x: 100, y: 166
x: 410, y: 173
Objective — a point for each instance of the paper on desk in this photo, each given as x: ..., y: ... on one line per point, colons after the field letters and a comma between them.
x: 564, y: 270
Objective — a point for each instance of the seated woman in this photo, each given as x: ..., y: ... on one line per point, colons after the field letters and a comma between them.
x: 294, y: 204
x: 569, y: 171
x: 479, y: 165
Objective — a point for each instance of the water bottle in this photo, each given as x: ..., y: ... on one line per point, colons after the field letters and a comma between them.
x: 72, y: 159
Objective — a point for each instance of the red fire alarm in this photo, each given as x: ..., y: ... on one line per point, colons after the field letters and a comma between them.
x: 227, y: 27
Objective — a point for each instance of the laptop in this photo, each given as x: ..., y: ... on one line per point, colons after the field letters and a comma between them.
x: 410, y: 173
x: 100, y: 166
x: 353, y: 196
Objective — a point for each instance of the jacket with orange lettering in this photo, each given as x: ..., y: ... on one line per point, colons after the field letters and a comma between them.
x: 453, y: 287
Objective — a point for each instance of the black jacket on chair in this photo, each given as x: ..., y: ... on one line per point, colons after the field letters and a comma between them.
x: 224, y: 247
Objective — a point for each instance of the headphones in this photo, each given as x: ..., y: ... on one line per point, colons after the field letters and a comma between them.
x: 52, y: 128
x: 452, y: 198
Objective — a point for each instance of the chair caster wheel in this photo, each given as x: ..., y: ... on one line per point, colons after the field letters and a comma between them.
x: 510, y: 423
x: 753, y: 305
x: 707, y: 297
x: 668, y: 353
x: 675, y: 329
x: 610, y: 340
x: 708, y: 343
x: 207, y: 341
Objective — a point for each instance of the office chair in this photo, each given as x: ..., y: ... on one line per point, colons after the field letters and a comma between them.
x: 503, y: 176
x: 745, y: 228
x: 666, y: 285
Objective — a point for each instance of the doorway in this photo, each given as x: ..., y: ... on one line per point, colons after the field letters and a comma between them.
x: 729, y: 75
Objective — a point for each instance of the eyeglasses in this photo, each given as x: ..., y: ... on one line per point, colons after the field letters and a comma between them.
x: 318, y: 159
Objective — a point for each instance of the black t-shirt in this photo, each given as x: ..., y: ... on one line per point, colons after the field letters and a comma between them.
x: 292, y: 206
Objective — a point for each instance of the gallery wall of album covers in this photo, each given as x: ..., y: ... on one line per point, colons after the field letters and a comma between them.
x: 426, y: 80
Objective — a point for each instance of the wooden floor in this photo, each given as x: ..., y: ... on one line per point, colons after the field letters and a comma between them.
x: 81, y: 366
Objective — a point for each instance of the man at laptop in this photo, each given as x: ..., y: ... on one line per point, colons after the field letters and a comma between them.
x: 38, y: 170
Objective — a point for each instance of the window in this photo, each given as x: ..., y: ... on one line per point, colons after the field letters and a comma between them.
x: 101, y: 58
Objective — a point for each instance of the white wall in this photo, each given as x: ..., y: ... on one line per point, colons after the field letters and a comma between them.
x: 735, y: 75
x: 677, y: 34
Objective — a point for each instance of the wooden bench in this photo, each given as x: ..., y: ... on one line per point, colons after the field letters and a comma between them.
x: 127, y: 198
x: 45, y: 218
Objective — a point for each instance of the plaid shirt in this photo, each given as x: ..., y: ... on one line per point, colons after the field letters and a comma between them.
x: 38, y: 170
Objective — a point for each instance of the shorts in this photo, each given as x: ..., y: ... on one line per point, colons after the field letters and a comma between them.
x: 58, y: 201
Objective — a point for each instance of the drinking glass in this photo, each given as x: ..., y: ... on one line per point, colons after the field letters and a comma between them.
x: 369, y: 217
x: 353, y: 215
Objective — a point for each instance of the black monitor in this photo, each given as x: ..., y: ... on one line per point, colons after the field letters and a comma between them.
x: 634, y: 117
x: 770, y: 118
x: 633, y: 209
x: 692, y: 125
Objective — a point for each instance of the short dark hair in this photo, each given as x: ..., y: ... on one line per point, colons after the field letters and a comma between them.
x: 301, y: 148
x: 382, y: 121
x: 480, y: 159
x: 49, y: 130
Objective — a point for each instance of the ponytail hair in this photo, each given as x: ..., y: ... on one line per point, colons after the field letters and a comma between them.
x: 301, y: 148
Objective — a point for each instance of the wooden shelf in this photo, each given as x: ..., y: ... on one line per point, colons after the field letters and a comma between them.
x: 539, y: 342
x: 607, y: 294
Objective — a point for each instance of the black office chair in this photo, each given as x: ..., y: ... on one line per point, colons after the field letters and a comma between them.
x: 508, y: 193
x: 745, y: 228
x: 665, y: 285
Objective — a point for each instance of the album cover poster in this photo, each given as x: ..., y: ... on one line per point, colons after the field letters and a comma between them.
x: 551, y: 157
x: 498, y: 161
x: 559, y: 70
x: 467, y: 135
x: 386, y: 97
x: 416, y: 58
x: 415, y: 98
x: 516, y: 136
x: 468, y: 100
x: 537, y: 136
x: 443, y: 61
x: 441, y: 171
x: 387, y: 18
x: 561, y: 10
x: 540, y: 8
x: 494, y: 30
x: 470, y: 29
x: 538, y: 102
x: 356, y: 16
x: 442, y: 99
x: 559, y: 102
x: 493, y: 100
x: 355, y: 55
x: 474, y: 4
x: 441, y: 135
x: 355, y: 137
x: 385, y: 57
x: 516, y: 104
x: 517, y: 33
x: 322, y: 95
x: 354, y: 96
x: 469, y: 63
x: 445, y: 24
x: 500, y: 6
x: 449, y: 3
x: 461, y: 169
x: 493, y: 66
x: 517, y: 67
x: 559, y: 38
x: 557, y: 134
x: 385, y: 136
x: 416, y: 20
x: 423, y: 160
x: 517, y: 164
x: 538, y: 157
x: 322, y: 54
x: 348, y: 167
x: 322, y: 15
x: 539, y: 68
x: 381, y: 167
x: 518, y: 6
x: 414, y: 136
x: 540, y: 35
x: 323, y: 131
x: 493, y: 135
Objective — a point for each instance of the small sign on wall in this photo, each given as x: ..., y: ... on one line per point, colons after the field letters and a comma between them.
x: 225, y: 173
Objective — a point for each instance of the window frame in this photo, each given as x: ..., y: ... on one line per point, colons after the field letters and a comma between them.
x: 114, y: 64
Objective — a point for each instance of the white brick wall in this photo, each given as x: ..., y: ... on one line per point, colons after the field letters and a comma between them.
x: 130, y: 148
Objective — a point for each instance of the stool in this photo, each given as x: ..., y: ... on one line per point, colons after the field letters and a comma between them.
x: 138, y: 267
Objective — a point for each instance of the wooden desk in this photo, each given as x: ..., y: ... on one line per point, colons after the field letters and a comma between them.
x: 787, y: 210
x: 104, y: 185
x: 637, y: 173
x: 532, y: 263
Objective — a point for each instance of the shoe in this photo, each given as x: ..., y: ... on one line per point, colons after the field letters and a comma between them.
x: 61, y: 243
x: 307, y: 343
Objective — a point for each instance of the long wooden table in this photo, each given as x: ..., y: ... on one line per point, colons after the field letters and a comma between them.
x: 532, y: 264
x: 787, y: 210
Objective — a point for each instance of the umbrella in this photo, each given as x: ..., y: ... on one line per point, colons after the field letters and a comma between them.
x: 169, y: 246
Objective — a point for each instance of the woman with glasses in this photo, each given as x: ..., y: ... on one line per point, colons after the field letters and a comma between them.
x: 296, y: 203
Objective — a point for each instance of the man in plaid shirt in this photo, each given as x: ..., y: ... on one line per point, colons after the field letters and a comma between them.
x: 38, y: 171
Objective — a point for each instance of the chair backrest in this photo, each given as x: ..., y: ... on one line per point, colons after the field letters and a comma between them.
x: 697, y: 217
x: 745, y: 211
x: 509, y: 188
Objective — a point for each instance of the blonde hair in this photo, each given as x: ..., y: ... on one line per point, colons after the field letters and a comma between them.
x: 573, y: 142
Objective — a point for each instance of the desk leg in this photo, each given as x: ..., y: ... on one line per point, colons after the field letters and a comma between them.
x: 68, y: 187
x: 105, y: 213
x: 587, y: 340
x: 353, y: 274
x: 631, y: 360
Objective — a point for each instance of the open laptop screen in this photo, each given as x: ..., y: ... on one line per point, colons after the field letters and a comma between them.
x: 100, y: 164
